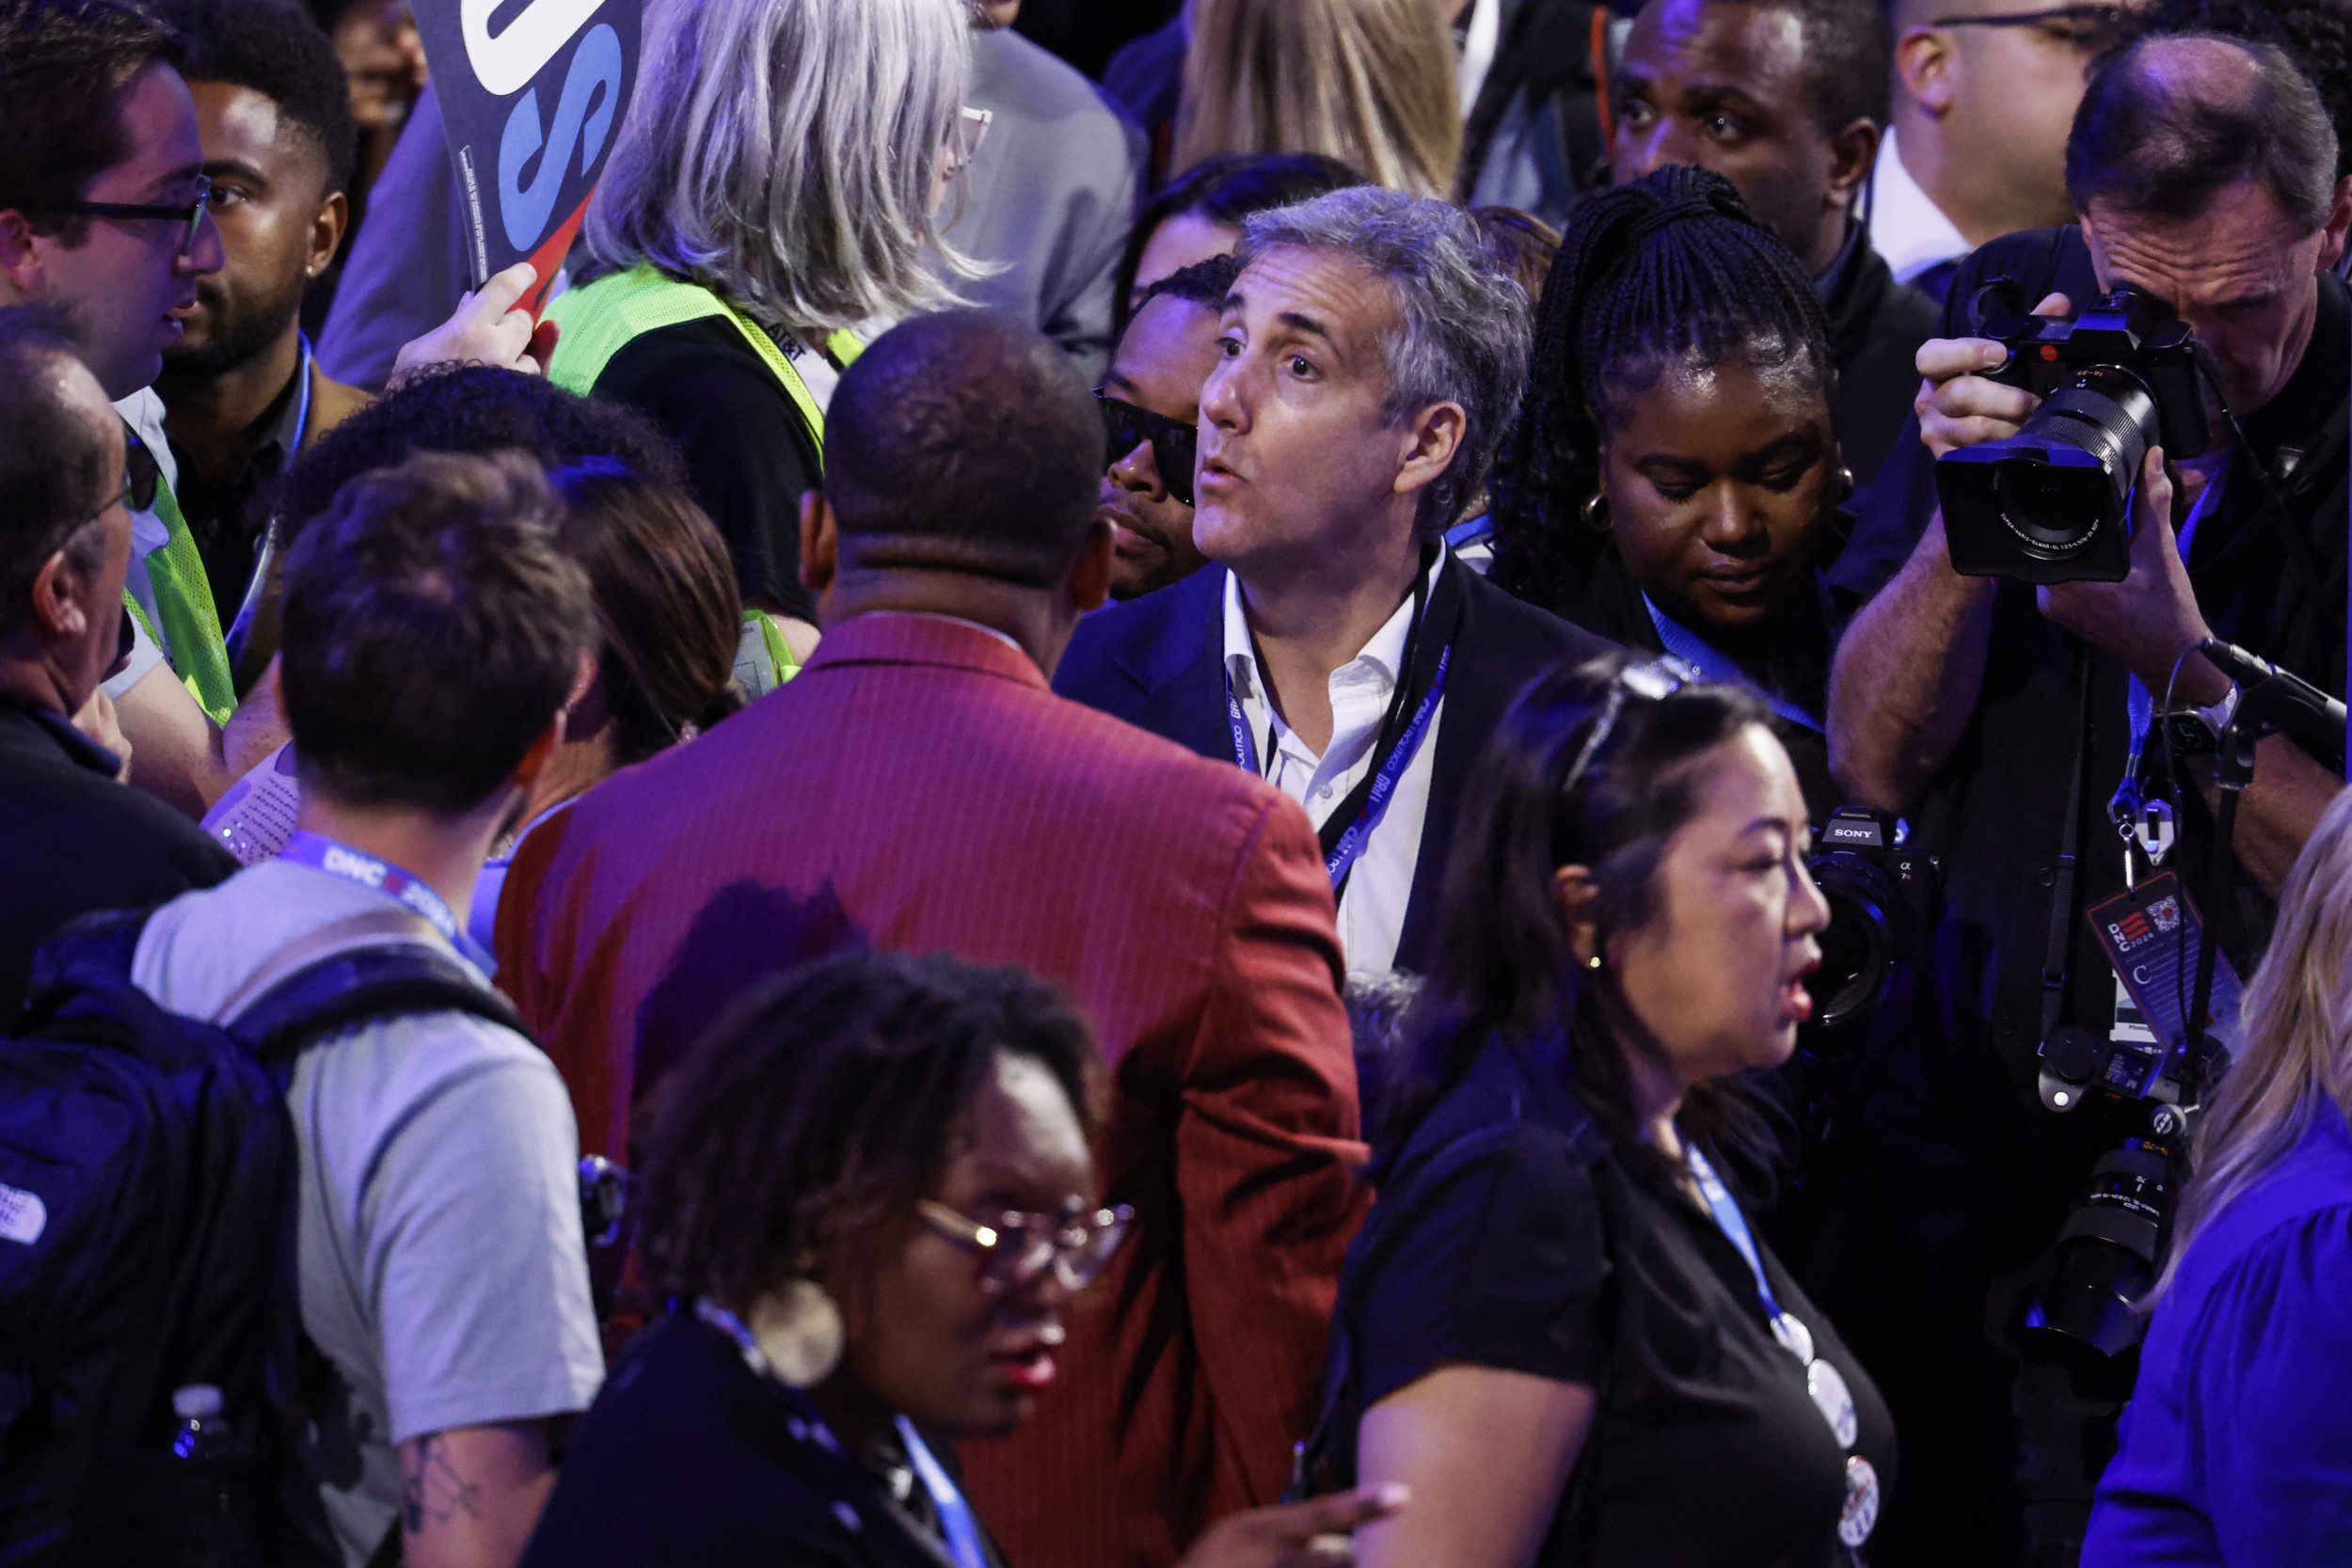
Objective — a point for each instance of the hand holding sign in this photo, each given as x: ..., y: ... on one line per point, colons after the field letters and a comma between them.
x: 489, y: 328
x: 531, y: 111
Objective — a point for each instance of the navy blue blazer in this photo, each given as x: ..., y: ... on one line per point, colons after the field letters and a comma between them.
x: 1157, y: 663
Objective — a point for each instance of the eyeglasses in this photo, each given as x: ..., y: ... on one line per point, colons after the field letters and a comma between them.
x: 964, y: 137
x: 189, y: 213
x: 140, y: 475
x: 1016, y: 1249
x: 1654, y: 682
x: 2086, y: 26
x: 1174, y: 443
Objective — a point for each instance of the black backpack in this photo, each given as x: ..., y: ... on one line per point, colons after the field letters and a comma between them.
x: 147, y: 1243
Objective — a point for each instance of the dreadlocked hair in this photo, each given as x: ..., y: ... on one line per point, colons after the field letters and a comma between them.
x: 829, y: 1102
x: 1670, y: 270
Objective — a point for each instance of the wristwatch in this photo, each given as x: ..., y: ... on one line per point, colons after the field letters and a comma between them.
x: 2197, y: 731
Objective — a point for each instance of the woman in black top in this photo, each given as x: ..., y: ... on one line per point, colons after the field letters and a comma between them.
x: 1556, y: 1317
x: 1673, y: 481
x: 870, y: 1198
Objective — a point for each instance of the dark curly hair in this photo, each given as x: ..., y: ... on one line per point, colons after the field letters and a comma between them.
x: 1504, y: 965
x: 276, y: 49
x: 63, y: 67
x: 479, y: 409
x: 826, y: 1104
x: 1670, y: 269
x: 1226, y: 190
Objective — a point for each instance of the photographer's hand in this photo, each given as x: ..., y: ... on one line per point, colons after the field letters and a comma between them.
x: 1959, y: 407
x: 2151, y: 618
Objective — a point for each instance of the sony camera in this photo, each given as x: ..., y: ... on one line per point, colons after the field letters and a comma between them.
x: 1882, y: 902
x: 2052, y: 502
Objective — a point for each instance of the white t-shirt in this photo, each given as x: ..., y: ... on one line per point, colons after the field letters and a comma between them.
x: 438, y: 1243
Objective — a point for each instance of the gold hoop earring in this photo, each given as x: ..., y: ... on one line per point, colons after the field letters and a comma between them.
x: 799, y: 1331
x: 1595, y: 515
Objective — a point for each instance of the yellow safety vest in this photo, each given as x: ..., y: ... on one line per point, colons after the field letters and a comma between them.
x: 184, y: 602
x: 599, y: 319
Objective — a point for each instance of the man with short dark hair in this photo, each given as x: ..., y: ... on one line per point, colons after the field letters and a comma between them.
x: 1151, y: 399
x: 2204, y: 172
x: 1785, y: 99
x: 434, y: 633
x: 241, y: 392
x: 1372, y: 353
x: 105, y: 213
x: 919, y: 786
x: 73, y: 837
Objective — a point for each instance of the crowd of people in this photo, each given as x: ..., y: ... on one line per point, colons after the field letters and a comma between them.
x: 1097, y: 824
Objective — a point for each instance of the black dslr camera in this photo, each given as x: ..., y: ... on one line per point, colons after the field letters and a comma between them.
x: 2052, y: 502
x: 1882, y: 902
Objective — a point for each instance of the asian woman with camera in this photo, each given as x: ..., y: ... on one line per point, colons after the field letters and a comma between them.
x: 1558, y: 1317
x: 2237, y: 1444
x: 1673, y: 481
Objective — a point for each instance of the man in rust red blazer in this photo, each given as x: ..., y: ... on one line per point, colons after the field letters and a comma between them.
x: 919, y: 786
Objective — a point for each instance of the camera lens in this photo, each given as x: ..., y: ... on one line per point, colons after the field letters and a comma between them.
x: 2044, y: 507
x: 1859, y: 947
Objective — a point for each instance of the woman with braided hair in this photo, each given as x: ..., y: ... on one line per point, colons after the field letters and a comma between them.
x: 1673, y: 481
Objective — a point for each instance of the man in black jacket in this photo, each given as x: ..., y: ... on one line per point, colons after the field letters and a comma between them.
x: 2204, y: 172
x: 73, y: 838
x: 1787, y: 100
x: 1369, y: 355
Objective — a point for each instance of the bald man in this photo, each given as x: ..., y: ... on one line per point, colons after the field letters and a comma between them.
x: 1984, y: 91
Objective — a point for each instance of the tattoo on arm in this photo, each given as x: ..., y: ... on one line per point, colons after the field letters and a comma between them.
x: 431, y: 1489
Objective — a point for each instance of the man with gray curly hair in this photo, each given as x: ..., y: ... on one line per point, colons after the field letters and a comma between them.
x: 1370, y: 357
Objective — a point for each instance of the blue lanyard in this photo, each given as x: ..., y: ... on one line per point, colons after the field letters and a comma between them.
x: 955, y: 1514
x: 1732, y: 1224
x: 1478, y: 531
x: 357, y: 865
x: 302, y: 404
x: 1716, y: 665
x: 1351, y: 845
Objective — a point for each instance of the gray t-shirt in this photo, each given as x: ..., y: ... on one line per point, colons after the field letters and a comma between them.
x: 441, y: 1265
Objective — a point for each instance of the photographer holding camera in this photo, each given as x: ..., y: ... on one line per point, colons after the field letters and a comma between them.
x: 2002, y: 712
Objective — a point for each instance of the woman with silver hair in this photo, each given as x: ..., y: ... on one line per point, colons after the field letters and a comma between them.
x: 772, y: 192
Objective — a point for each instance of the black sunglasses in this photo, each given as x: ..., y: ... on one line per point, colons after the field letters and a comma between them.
x: 1174, y: 443
x: 189, y: 213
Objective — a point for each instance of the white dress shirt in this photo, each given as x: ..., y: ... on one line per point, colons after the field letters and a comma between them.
x: 1906, y: 224
x: 1371, y: 907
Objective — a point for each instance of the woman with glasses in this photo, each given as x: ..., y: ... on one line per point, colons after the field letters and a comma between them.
x: 1559, y: 1318
x: 870, y: 1199
x: 770, y: 196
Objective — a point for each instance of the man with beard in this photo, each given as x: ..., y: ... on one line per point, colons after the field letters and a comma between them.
x: 241, y: 392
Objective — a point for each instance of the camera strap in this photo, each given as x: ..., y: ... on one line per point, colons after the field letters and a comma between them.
x: 2062, y: 874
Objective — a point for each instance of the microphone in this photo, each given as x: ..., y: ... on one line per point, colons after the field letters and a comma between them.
x: 2290, y: 692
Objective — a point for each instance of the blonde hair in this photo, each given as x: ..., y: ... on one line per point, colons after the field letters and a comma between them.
x: 1368, y: 82
x: 784, y: 152
x: 2298, y: 1055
